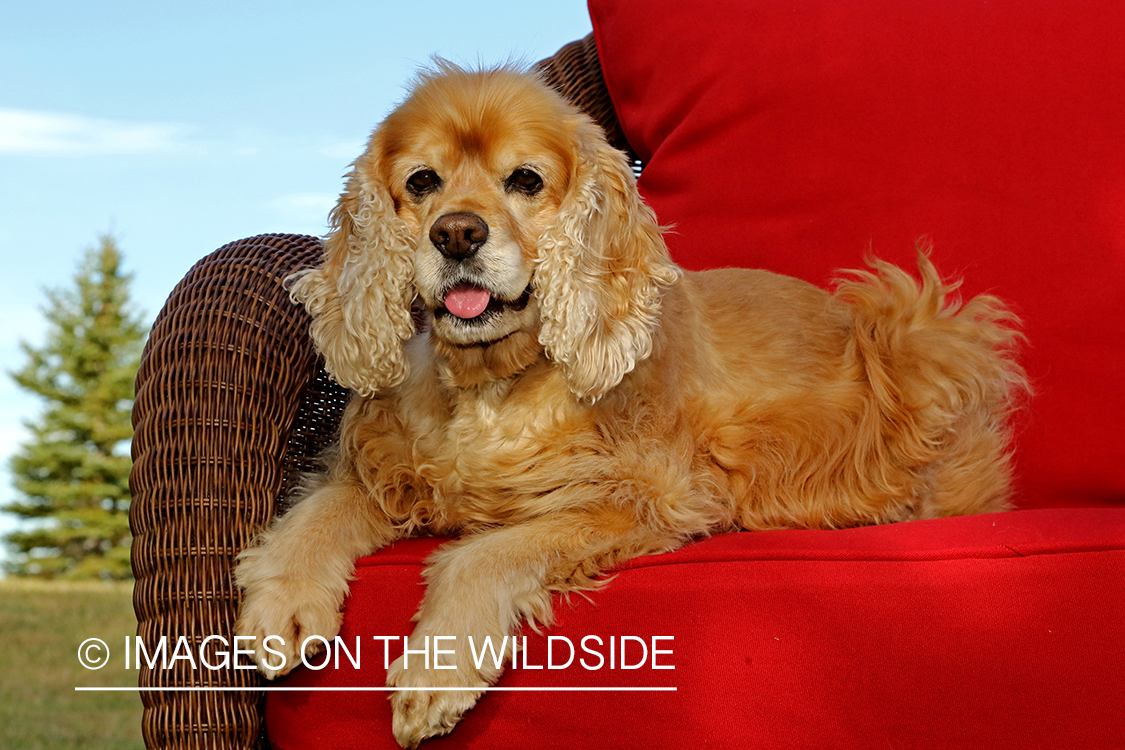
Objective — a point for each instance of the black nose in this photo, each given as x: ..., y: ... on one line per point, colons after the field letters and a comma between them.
x: 458, y: 236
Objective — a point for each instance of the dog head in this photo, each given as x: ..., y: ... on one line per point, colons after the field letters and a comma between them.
x: 504, y: 210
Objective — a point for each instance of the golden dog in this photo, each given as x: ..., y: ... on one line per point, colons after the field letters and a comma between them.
x: 576, y: 400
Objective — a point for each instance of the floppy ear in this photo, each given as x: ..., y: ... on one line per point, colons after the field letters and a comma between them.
x: 601, y: 272
x: 360, y: 296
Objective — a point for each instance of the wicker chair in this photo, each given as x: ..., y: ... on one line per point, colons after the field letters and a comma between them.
x: 231, y: 405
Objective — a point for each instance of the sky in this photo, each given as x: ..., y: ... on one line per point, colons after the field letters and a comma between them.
x: 180, y: 127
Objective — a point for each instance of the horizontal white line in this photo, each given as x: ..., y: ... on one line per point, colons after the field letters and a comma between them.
x: 281, y: 689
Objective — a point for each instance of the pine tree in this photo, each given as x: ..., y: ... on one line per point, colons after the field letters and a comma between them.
x: 73, y: 473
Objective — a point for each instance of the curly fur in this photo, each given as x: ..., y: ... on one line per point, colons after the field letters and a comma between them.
x: 360, y: 296
x: 607, y: 405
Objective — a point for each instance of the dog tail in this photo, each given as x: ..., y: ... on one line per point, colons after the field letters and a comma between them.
x: 945, y: 380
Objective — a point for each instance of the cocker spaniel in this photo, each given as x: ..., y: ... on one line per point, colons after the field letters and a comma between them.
x: 576, y: 400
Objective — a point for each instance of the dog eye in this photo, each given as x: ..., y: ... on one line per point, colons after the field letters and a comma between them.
x: 423, y: 182
x: 525, y: 181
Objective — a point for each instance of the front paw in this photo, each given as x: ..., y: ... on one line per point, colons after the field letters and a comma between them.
x: 281, y: 613
x: 421, y: 713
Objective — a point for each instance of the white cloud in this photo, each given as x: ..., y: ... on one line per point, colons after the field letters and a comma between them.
x: 346, y: 150
x: 305, y: 207
x: 32, y: 133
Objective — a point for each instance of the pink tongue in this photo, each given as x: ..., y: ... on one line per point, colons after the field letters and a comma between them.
x: 466, y: 301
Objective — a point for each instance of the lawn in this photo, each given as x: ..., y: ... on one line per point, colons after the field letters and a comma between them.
x: 42, y: 625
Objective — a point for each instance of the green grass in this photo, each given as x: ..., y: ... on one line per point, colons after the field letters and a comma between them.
x: 41, y: 627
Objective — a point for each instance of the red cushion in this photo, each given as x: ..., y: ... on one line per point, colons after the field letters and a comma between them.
x: 799, y: 136
x: 936, y: 634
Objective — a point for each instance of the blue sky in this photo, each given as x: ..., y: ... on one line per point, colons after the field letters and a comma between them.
x: 180, y: 127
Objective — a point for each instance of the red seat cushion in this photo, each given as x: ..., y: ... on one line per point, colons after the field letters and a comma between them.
x: 962, y: 632
x: 799, y: 136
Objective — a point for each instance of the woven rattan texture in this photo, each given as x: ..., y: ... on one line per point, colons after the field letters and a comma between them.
x: 232, y: 405
x: 225, y: 371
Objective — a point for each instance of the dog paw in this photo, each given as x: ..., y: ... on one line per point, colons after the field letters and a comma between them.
x: 429, y: 702
x: 281, y: 614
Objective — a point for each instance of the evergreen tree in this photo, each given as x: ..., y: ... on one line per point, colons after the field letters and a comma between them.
x: 72, y: 475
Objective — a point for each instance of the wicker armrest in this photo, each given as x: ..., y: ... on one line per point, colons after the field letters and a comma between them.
x: 227, y: 368
x: 232, y: 404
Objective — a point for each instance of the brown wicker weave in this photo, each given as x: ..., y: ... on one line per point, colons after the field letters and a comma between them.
x: 232, y: 404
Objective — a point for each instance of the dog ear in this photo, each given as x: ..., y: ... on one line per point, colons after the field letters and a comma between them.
x: 600, y: 273
x: 360, y: 296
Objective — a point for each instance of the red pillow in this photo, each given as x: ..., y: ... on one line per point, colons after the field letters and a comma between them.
x: 800, y: 137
